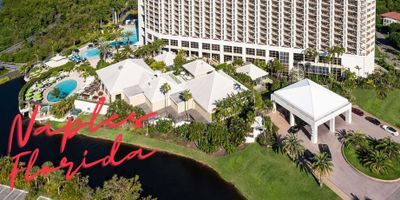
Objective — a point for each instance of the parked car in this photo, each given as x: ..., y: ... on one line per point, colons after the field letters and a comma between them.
x: 390, y: 130
x: 373, y: 120
x: 309, y: 156
x: 357, y: 112
x: 324, y: 148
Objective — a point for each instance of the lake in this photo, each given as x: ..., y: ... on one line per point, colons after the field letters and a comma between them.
x: 163, y: 175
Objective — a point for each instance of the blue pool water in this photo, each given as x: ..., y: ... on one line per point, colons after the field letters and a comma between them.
x: 65, y: 87
x: 91, y: 53
x: 133, y: 39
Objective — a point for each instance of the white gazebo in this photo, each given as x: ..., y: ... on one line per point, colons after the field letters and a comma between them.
x: 312, y: 103
x: 167, y: 57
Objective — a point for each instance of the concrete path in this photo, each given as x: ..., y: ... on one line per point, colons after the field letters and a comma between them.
x: 344, y: 177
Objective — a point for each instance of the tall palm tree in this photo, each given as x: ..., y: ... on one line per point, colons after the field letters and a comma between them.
x: 117, y: 35
x: 104, y: 47
x: 186, y: 96
x: 389, y: 147
x: 292, y: 146
x: 165, y: 88
x: 322, y: 165
x: 377, y: 161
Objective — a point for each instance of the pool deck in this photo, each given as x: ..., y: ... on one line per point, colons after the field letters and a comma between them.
x: 73, y: 76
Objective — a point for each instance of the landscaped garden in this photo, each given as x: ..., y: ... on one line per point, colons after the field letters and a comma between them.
x: 377, y: 158
x: 387, y: 109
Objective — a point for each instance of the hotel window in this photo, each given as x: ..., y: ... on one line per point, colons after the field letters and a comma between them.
x: 185, y: 44
x: 174, y: 43
x: 227, y: 49
x: 298, y: 57
x: 250, y: 51
x: 337, y: 61
x: 227, y: 58
x: 206, y: 46
x: 237, y: 58
x: 284, y: 58
x: 260, y: 52
x: 194, y: 45
x: 237, y: 50
x: 195, y: 53
x: 250, y: 60
x: 149, y: 36
x: 273, y: 54
x: 215, y: 57
x: 215, y: 47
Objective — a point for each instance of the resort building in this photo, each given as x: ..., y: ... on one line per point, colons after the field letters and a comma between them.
x: 313, y: 104
x: 390, y: 18
x: 134, y: 81
x: 225, y: 30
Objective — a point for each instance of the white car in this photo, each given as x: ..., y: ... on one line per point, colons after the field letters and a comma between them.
x: 390, y: 130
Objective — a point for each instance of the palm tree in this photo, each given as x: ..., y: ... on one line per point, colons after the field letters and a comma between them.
x: 389, y: 147
x: 292, y: 146
x: 127, y: 35
x: 322, y: 165
x: 311, y: 53
x: 356, y: 138
x: 165, y: 88
x: 377, y: 161
x: 117, y: 35
x: 186, y: 96
x: 104, y: 47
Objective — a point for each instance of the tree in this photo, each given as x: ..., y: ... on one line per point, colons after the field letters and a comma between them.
x: 179, y: 61
x: 186, y: 96
x: 277, y: 67
x: 159, y: 66
x: 197, y: 130
x: 311, y: 53
x: 165, y: 88
x: 356, y: 138
x: 61, y: 108
x: 269, y: 135
x: 55, y: 92
x: 127, y: 35
x: 292, y: 146
x: 120, y: 107
x: 389, y: 147
x: 377, y: 161
x: 120, y: 188
x: 322, y: 165
x: 104, y: 47
x: 238, y: 128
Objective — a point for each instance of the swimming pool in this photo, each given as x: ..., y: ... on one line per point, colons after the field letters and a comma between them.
x: 91, y: 53
x: 65, y: 87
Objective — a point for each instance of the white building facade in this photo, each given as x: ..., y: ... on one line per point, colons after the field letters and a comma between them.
x: 265, y: 29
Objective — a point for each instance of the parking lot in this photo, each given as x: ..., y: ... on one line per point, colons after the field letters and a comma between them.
x: 344, y: 177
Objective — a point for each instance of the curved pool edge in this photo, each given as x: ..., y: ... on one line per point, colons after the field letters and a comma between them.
x: 46, y: 93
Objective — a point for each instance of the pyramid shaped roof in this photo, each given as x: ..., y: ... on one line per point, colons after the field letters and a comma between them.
x: 252, y: 71
x: 206, y: 90
x: 124, y: 74
x: 198, y: 68
x: 167, y: 57
x: 311, y: 98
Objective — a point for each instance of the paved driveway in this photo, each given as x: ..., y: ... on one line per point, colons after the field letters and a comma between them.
x: 344, y: 177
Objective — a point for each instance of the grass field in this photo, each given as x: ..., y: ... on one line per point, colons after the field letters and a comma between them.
x: 392, y: 174
x: 387, y: 109
x: 258, y: 172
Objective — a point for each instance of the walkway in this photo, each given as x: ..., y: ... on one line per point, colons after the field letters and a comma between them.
x: 344, y: 176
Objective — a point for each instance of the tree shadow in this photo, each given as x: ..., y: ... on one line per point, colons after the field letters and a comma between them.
x: 277, y: 146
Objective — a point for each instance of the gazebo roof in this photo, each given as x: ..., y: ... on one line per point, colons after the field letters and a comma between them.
x: 198, y: 68
x: 252, y: 71
x: 311, y: 99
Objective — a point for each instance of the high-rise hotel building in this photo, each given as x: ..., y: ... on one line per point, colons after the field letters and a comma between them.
x: 266, y: 29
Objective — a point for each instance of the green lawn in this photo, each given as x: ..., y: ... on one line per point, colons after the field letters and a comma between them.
x: 387, y: 109
x: 392, y: 174
x: 258, y: 173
